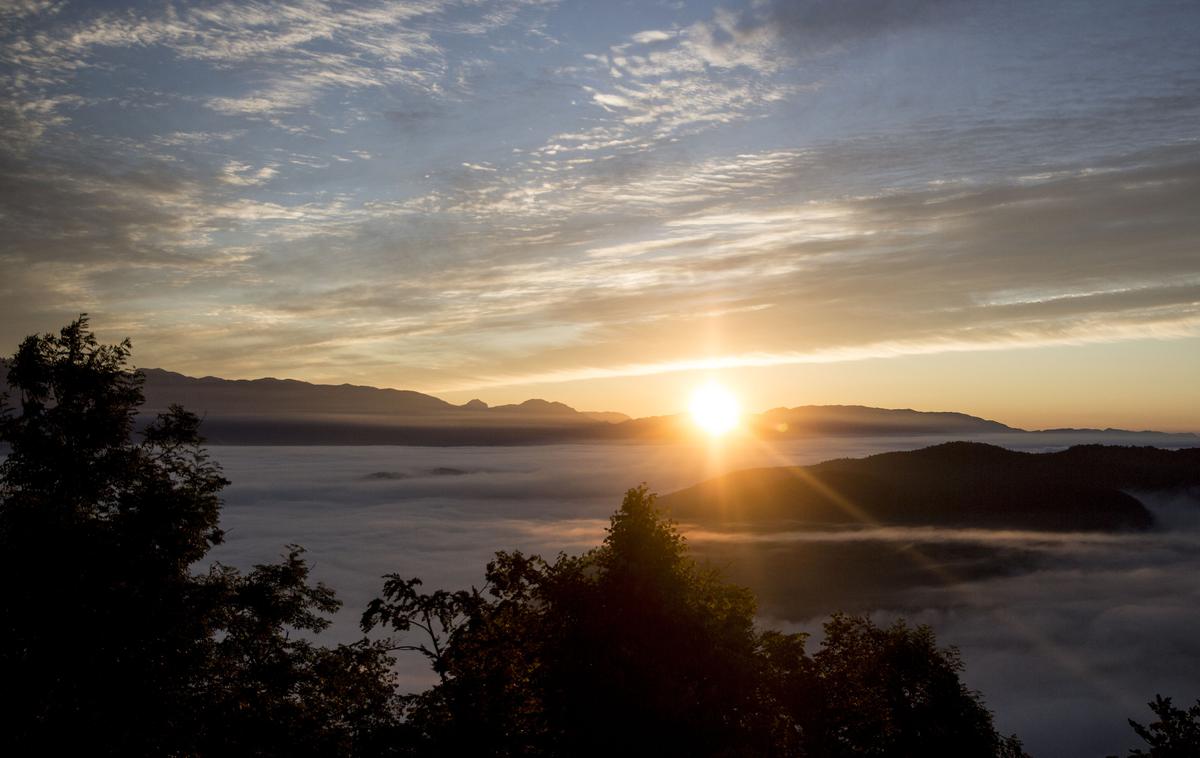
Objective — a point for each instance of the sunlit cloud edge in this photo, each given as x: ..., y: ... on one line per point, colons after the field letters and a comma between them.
x: 1166, y: 330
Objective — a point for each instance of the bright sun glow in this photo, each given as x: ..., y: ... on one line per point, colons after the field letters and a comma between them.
x: 715, y: 409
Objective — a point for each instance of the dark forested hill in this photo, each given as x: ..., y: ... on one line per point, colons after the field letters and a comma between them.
x: 954, y: 484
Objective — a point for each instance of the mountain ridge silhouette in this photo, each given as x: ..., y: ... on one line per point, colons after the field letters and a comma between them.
x: 294, y: 412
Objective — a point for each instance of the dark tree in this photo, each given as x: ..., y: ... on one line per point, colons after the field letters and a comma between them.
x: 887, y: 691
x: 634, y: 648
x: 267, y: 691
x: 1176, y: 733
x: 107, y: 638
x: 102, y: 631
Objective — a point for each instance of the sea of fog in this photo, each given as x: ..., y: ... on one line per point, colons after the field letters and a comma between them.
x: 1064, y: 647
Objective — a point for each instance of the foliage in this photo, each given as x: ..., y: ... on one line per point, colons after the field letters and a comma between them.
x: 108, y: 639
x: 635, y: 648
x: 1176, y: 734
x: 890, y: 692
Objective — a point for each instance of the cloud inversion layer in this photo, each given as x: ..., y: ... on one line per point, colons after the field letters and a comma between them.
x: 1066, y: 634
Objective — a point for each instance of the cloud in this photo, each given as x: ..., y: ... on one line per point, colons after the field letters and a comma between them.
x: 245, y: 175
x: 431, y: 208
x: 560, y: 295
x: 259, y: 103
x: 295, y: 53
x: 24, y: 121
x: 651, y: 35
x: 190, y: 138
x: 1064, y: 646
x: 951, y: 265
x: 711, y: 72
x: 17, y: 9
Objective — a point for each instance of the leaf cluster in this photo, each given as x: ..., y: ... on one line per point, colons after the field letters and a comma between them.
x: 633, y: 647
x: 110, y: 642
x: 1175, y: 734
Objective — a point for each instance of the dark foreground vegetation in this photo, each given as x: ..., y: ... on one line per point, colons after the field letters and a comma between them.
x: 112, y: 643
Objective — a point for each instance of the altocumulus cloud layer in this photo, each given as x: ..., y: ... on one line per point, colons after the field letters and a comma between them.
x: 1066, y: 634
x: 451, y: 194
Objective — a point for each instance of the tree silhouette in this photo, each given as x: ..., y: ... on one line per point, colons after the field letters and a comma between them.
x: 1176, y: 733
x: 108, y: 639
x: 888, y: 691
x: 635, y: 648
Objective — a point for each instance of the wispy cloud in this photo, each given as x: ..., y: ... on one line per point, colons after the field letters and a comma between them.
x: 451, y: 194
x: 296, y: 52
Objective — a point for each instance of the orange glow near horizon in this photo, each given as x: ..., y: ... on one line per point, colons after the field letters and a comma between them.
x: 715, y: 409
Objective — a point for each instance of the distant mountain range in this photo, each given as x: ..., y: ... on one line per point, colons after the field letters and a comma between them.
x: 286, y: 411
x: 288, y: 397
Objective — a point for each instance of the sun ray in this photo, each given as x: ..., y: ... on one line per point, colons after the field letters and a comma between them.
x: 961, y: 587
x: 715, y: 409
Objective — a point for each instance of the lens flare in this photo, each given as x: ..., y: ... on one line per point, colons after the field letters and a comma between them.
x: 715, y: 409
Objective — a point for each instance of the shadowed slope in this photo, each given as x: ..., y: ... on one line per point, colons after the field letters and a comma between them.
x: 954, y: 484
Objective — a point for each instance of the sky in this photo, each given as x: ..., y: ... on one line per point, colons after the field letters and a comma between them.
x: 947, y: 205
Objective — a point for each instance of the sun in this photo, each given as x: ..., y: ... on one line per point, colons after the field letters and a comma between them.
x: 715, y: 409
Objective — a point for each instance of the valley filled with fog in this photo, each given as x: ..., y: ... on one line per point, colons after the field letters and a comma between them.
x: 1066, y: 634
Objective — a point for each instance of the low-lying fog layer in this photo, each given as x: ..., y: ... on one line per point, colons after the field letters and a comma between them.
x: 1066, y: 634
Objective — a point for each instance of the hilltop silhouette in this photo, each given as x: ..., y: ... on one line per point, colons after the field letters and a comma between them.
x: 962, y: 484
x: 856, y: 534
x: 290, y: 412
